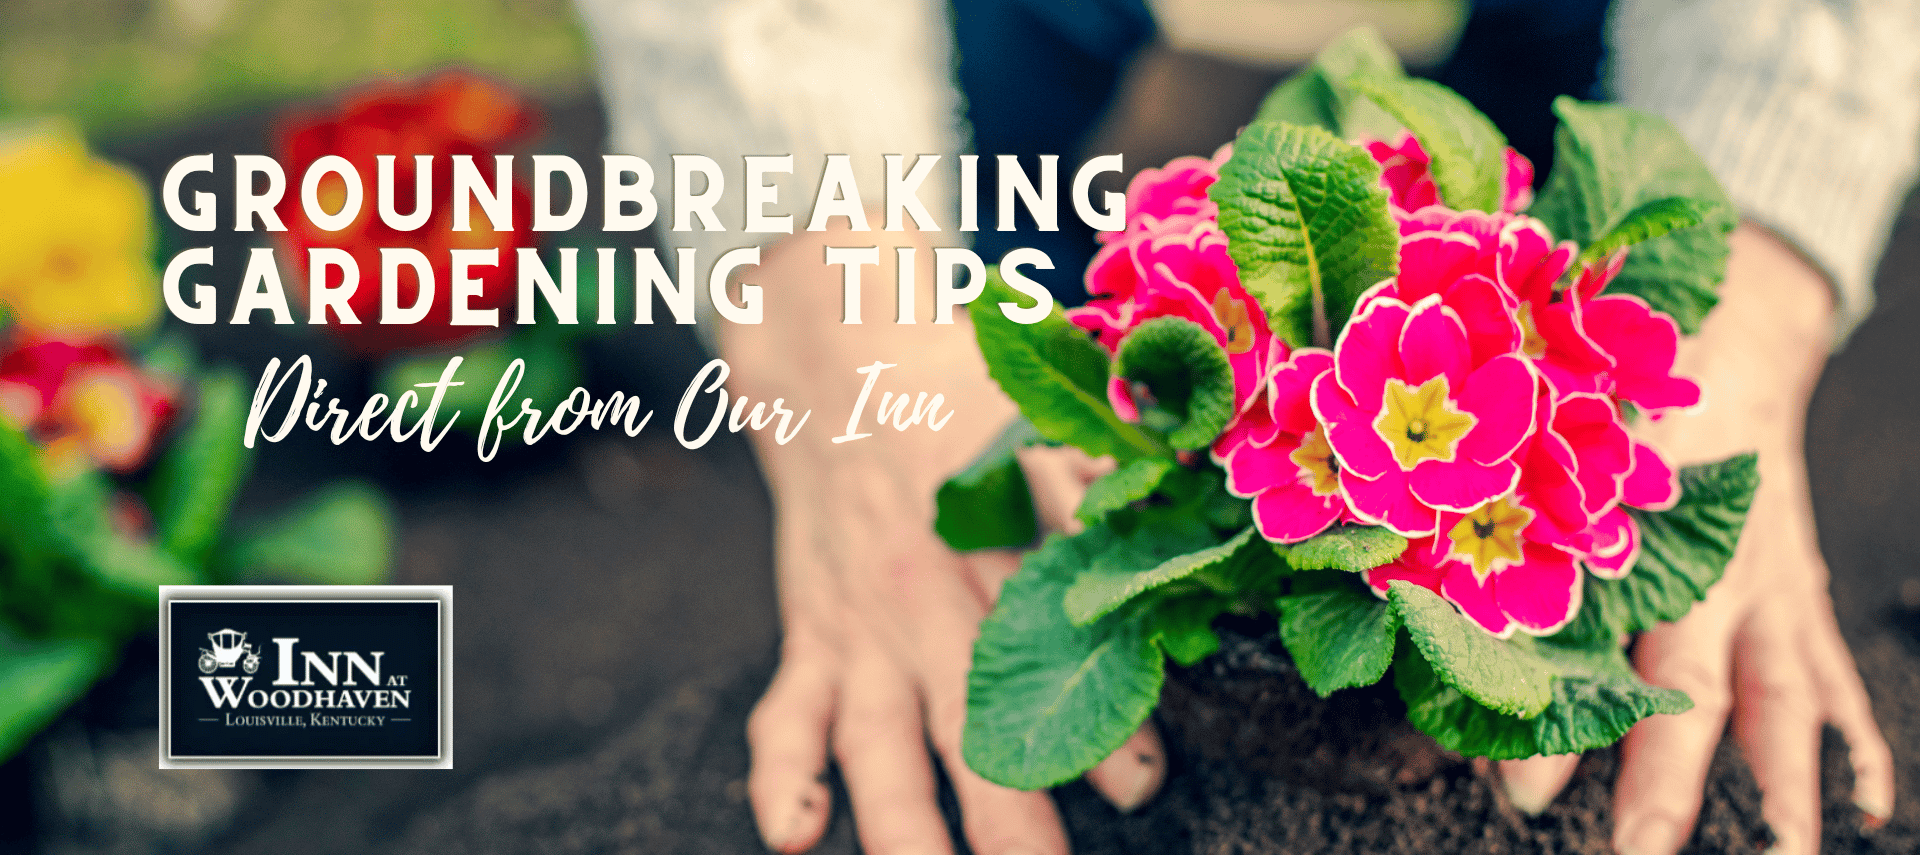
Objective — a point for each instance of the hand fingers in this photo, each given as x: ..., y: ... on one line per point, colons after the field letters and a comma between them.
x: 998, y: 820
x: 1532, y: 784
x: 787, y: 737
x: 1664, y: 759
x: 1058, y: 479
x: 1777, y: 723
x: 883, y: 756
x: 1131, y: 775
x: 1837, y: 681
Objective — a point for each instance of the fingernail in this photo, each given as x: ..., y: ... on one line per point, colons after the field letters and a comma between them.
x: 1528, y: 800
x: 1143, y: 780
x: 1655, y: 835
x: 1874, y: 815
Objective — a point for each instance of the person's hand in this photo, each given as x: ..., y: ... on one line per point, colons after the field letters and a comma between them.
x: 879, y: 616
x: 1762, y: 651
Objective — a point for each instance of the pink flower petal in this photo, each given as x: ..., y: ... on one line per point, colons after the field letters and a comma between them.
x: 1591, y: 426
x: 1350, y: 431
x: 1388, y: 501
x: 1292, y: 389
x: 1368, y: 351
x: 1292, y: 513
x: 1461, y: 485
x: 1516, y: 186
x: 1616, y: 545
x: 1651, y: 484
x: 1120, y: 395
x: 1434, y: 343
x: 1476, y: 598
x: 1502, y: 397
x: 1487, y: 312
x: 1251, y: 469
x: 1541, y: 594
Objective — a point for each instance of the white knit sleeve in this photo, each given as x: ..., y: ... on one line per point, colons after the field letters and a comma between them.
x: 809, y: 78
x: 1807, y: 110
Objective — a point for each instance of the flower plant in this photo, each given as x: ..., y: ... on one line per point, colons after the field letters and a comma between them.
x: 1354, y: 375
x: 120, y: 457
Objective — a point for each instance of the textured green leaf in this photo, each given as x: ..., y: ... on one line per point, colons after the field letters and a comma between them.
x: 1188, y: 373
x: 1339, y: 633
x: 1183, y: 626
x: 1129, y: 570
x: 195, y: 481
x: 1647, y: 222
x: 1047, y: 700
x: 1683, y: 552
x: 1610, y: 160
x: 1049, y: 369
x: 1318, y: 95
x: 1122, y: 487
x: 1468, y: 153
x: 1499, y: 674
x: 342, y: 536
x: 41, y: 677
x: 1596, y: 698
x: 987, y: 505
x: 1352, y: 548
x: 1307, y: 223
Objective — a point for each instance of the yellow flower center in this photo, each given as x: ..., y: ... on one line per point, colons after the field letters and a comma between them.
x: 1421, y: 424
x: 1490, y: 536
x: 1232, y: 315
x: 1316, y: 457
x: 1531, y: 343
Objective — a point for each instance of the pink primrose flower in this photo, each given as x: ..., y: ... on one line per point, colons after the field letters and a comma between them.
x: 1420, y: 424
x: 1407, y: 172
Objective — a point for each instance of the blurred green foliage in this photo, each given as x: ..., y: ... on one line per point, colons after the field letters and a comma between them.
x: 123, y: 67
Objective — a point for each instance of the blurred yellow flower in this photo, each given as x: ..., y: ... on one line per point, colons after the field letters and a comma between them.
x: 75, y: 236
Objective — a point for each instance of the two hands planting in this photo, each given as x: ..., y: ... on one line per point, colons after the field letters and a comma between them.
x: 880, y: 617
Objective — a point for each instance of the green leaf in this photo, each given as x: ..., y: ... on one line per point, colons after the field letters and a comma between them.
x: 1610, y: 160
x: 1353, y: 548
x: 1058, y: 378
x: 1047, y: 700
x: 1112, y: 579
x: 1318, y: 95
x: 987, y: 505
x: 1187, y: 372
x: 1497, y: 673
x: 195, y: 481
x: 1596, y: 698
x: 1468, y: 153
x: 1122, y: 487
x: 1183, y: 626
x: 342, y: 536
x: 41, y: 677
x: 1307, y: 223
x: 1683, y: 552
x: 80, y: 509
x: 1339, y: 633
x: 1647, y: 222
x: 27, y: 544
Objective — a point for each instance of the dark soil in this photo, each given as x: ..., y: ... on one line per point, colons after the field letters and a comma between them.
x: 616, y: 622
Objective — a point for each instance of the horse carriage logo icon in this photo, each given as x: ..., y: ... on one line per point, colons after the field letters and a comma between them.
x: 229, y: 648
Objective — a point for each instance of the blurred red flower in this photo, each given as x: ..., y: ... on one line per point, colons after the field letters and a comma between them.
x: 451, y: 114
x: 83, y: 401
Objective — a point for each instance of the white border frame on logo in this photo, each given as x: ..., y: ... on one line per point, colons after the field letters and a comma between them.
x: 440, y: 595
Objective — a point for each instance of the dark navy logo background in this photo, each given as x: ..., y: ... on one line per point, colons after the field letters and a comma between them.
x: 292, y: 679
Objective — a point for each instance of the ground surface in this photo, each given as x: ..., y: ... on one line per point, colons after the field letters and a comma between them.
x: 615, y: 621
